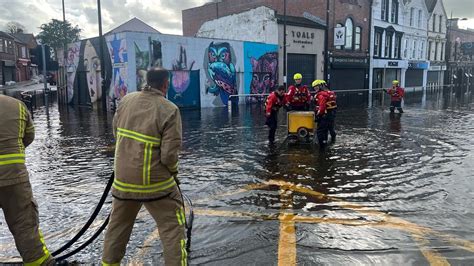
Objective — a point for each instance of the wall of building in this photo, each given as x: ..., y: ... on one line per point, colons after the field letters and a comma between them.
x: 204, y: 72
x: 255, y: 25
x: 193, y: 18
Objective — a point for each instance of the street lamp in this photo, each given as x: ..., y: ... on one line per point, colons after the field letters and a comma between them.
x: 102, y: 65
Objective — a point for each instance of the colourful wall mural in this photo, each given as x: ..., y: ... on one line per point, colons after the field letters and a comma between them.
x: 204, y: 72
x: 261, y: 68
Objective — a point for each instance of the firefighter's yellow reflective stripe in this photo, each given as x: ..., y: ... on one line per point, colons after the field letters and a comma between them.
x: 145, y: 168
x: 41, y: 260
x: 110, y: 264
x: 174, y: 168
x: 125, y: 187
x: 148, y: 170
x: 15, y: 158
x: 21, y: 127
x: 138, y: 136
x: 180, y: 216
x: 184, y: 253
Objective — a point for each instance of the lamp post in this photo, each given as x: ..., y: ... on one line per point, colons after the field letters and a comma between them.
x: 65, y: 53
x: 284, y: 45
x: 102, y: 61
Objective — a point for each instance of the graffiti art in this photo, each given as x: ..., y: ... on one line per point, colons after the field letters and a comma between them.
x: 264, y: 73
x: 119, y: 57
x: 142, y: 61
x: 221, y: 71
x: 181, y: 73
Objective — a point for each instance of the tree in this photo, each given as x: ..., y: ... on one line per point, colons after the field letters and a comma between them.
x: 57, y: 33
x: 15, y: 27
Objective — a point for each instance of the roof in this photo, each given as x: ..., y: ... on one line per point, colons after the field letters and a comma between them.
x: 431, y: 4
x: 299, y: 21
x: 6, y: 35
x: 133, y: 24
x: 24, y: 37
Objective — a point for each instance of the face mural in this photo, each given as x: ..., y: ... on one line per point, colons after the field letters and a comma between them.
x: 221, y: 71
x: 92, y: 68
x: 142, y: 61
x: 72, y: 62
x: 264, y: 73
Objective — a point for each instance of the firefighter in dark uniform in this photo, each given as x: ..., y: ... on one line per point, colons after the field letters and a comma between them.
x: 325, y: 110
x: 274, y: 102
x: 298, y: 96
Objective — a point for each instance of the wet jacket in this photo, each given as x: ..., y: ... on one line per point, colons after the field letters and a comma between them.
x: 147, y: 128
x: 274, y: 102
x: 298, y: 95
x: 16, y: 133
x: 396, y: 94
x: 325, y: 101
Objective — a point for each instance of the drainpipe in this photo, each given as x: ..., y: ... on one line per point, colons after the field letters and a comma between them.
x: 326, y: 45
x: 284, y: 45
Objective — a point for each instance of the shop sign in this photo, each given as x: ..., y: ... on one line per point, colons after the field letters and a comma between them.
x: 418, y: 65
x: 349, y: 61
x: 339, y: 36
x: 393, y: 63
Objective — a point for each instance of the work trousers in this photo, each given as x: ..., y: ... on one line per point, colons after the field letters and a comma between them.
x: 169, y: 216
x: 326, y: 124
x: 21, y: 214
x: 396, y: 104
x: 272, y: 123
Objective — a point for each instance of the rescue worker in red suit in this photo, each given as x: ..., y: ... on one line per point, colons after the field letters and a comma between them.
x: 325, y: 101
x: 274, y: 102
x: 298, y: 97
x: 396, y: 95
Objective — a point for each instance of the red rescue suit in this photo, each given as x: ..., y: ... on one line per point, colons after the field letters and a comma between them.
x: 272, y: 105
x: 325, y: 101
x: 396, y: 94
x: 325, y: 116
x: 298, y: 96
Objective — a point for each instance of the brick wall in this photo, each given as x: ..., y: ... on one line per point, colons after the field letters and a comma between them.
x: 193, y: 18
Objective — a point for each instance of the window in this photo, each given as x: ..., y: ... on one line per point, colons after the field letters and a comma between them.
x: 358, y: 31
x: 420, y: 15
x: 384, y: 10
x: 394, y: 12
x: 442, y: 52
x: 440, y: 22
x: 388, y: 44
x: 23, y: 52
x: 405, y: 49
x: 436, y: 52
x: 422, y: 48
x: 396, y: 51
x: 434, y: 22
x: 412, y: 14
x: 377, y: 41
x: 1, y: 46
x: 413, y: 51
x: 429, y: 50
x: 349, y: 32
x: 339, y: 47
x: 10, y: 48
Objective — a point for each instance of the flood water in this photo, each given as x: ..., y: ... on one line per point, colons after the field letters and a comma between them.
x: 393, y: 189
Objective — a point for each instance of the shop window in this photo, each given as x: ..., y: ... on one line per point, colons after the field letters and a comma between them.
x: 349, y: 32
x: 358, y: 31
x: 394, y: 12
x: 377, y: 43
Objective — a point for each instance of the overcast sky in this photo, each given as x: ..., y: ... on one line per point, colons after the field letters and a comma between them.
x: 164, y: 15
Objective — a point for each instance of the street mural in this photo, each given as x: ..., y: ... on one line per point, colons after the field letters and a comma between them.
x: 184, y: 87
x: 221, y: 71
x: 72, y: 61
x: 118, y: 54
x: 142, y: 62
x: 261, y: 68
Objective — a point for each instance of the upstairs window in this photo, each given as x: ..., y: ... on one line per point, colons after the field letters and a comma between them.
x: 394, y: 12
x: 384, y: 10
x: 422, y: 48
x: 420, y: 16
x: 412, y: 16
x: 1, y: 46
x: 358, y: 31
x: 440, y: 22
x: 377, y: 42
x: 338, y: 47
x: 388, y: 44
x: 413, y: 51
x: 349, y: 32
x: 434, y: 22
x: 442, y: 52
x: 430, y: 45
x: 396, y: 51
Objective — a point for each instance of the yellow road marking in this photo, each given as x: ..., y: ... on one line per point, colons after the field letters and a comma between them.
x: 140, y: 254
x: 433, y: 257
x: 287, y: 240
x: 235, y: 192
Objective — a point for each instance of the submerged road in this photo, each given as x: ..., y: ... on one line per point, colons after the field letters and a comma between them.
x: 393, y: 189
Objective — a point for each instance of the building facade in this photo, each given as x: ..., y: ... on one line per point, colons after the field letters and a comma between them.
x: 398, y: 44
x: 23, y: 62
x: 348, y: 44
x: 304, y: 41
x: 7, y: 58
x: 460, y: 55
x: 437, y: 27
x: 193, y: 18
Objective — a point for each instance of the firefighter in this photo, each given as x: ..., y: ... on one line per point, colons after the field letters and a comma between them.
x: 298, y: 96
x: 396, y: 95
x: 148, y: 133
x: 274, y: 102
x: 326, y: 106
x: 16, y: 197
